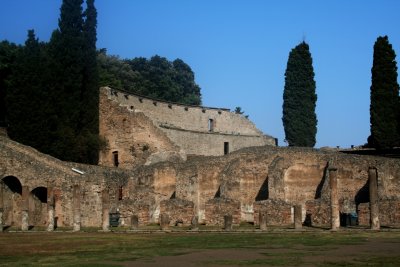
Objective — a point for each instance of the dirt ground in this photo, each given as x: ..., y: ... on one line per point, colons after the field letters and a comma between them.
x: 354, y: 255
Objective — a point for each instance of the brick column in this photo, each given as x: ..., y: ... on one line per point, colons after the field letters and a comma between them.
x: 1, y: 205
x: 373, y: 198
x: 298, y: 217
x: 263, y: 220
x: 335, y: 216
x: 50, y: 208
x: 76, y: 199
x: 106, y: 209
x: 25, y: 209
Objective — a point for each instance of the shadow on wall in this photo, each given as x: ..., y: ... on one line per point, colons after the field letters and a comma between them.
x: 362, y: 195
x: 263, y: 193
x: 318, y: 192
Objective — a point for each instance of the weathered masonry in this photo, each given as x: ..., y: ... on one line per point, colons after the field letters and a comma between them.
x: 267, y: 185
x: 140, y: 130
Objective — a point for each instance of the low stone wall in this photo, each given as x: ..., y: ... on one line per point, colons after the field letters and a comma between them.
x: 278, y: 212
x: 128, y: 208
x: 180, y: 211
x: 217, y: 208
x: 318, y: 213
x: 389, y: 213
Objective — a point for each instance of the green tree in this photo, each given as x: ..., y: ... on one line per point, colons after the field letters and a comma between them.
x: 299, y: 98
x: 384, y: 108
x: 25, y: 96
x: 238, y: 110
x: 8, y: 54
x: 89, y: 102
x: 66, y: 53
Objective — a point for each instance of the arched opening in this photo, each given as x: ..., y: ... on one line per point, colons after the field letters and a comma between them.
x: 38, y: 206
x: 12, y: 197
x: 13, y: 184
x: 40, y: 193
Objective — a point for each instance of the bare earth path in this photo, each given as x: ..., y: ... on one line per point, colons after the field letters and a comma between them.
x: 348, y: 255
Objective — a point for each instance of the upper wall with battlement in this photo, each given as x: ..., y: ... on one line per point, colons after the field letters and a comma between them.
x: 137, y: 128
x: 183, y: 117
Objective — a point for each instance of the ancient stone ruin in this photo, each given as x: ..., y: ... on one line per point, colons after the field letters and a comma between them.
x: 173, y: 171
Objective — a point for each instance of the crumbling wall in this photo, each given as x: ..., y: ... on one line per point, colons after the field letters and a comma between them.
x: 217, y: 208
x: 180, y: 211
x: 130, y: 136
x: 278, y: 212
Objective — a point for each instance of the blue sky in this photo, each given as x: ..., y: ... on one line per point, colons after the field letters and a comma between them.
x: 238, y: 49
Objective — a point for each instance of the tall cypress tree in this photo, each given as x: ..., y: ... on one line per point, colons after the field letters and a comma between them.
x: 384, y: 108
x: 299, y: 98
x: 89, y: 106
x: 67, y: 50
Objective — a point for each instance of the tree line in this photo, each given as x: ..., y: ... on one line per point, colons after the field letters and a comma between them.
x: 299, y: 98
x: 49, y: 92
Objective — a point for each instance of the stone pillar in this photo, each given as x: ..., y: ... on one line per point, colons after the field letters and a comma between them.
x: 50, y: 208
x: 263, y: 220
x: 195, y: 223
x: 373, y: 198
x: 1, y: 205
x: 228, y: 222
x: 134, y: 222
x: 105, y: 199
x: 164, y: 221
x: 298, y: 216
x: 25, y: 209
x: 335, y: 216
x: 76, y: 199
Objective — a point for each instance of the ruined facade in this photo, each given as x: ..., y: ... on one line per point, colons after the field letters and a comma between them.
x: 242, y: 184
x: 140, y: 130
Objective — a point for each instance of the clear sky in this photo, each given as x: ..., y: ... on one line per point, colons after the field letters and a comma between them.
x: 238, y: 49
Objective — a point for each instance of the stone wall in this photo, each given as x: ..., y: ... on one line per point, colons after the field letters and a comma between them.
x: 180, y: 211
x: 279, y: 213
x: 143, y: 130
x: 217, y: 208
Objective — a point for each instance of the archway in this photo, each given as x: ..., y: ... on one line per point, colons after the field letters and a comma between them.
x: 38, y: 206
x: 12, y: 198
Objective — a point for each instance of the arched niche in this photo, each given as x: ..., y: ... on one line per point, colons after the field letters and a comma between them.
x: 38, y: 207
x: 12, y: 197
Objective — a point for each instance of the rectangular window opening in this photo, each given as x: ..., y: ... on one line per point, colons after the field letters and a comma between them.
x: 211, y: 125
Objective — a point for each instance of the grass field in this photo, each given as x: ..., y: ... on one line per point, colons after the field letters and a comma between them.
x: 200, y: 249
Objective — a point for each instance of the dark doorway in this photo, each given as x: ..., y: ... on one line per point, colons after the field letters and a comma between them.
x: 226, y: 148
x: 115, y: 158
